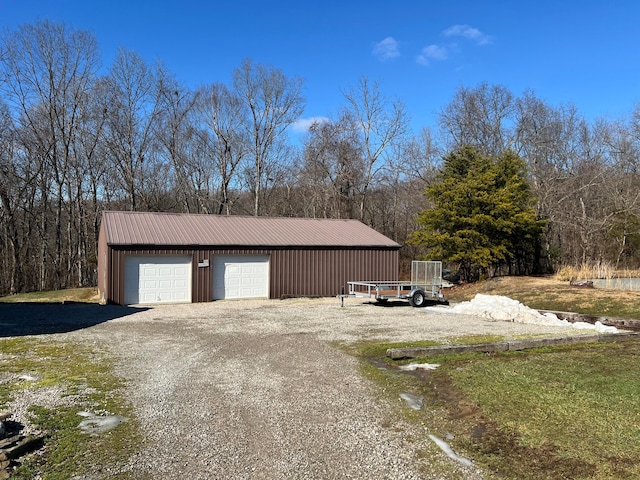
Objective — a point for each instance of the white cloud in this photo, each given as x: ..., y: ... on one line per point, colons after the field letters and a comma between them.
x: 432, y: 52
x: 443, y: 52
x: 468, y: 32
x: 386, y: 49
x: 303, y: 125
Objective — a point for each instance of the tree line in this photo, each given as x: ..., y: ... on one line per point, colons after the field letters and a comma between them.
x: 77, y: 137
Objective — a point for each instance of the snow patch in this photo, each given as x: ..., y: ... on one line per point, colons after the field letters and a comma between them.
x: 413, y: 401
x: 94, y: 424
x: 446, y: 448
x: 500, y: 308
x: 423, y: 366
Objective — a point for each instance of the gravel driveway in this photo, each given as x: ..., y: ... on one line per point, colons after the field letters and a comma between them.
x: 256, y: 390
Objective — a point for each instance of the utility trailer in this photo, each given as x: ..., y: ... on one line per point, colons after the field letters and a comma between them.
x: 425, y: 284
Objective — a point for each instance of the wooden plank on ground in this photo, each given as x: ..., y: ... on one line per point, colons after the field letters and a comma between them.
x: 508, y: 345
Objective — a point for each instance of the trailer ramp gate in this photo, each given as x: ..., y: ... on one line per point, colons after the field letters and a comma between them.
x: 425, y: 284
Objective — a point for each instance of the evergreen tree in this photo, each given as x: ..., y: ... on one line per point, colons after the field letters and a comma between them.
x: 481, y: 215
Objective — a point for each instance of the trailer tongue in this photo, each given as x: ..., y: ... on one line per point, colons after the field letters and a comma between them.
x: 425, y: 284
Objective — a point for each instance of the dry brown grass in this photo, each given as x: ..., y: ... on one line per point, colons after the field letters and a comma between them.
x: 551, y: 293
x: 82, y: 295
x: 589, y: 271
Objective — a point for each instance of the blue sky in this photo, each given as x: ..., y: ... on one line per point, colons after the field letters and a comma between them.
x: 582, y: 52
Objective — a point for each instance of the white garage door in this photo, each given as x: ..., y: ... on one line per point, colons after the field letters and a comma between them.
x: 157, y: 279
x: 240, y: 276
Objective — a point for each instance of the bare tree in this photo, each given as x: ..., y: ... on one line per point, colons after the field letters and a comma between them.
x: 134, y: 107
x: 480, y: 116
x: 622, y: 187
x: 332, y: 169
x: 47, y: 70
x: 272, y: 102
x: 381, y: 122
x: 175, y: 132
x: 569, y: 167
x: 90, y: 151
x: 12, y: 184
x: 225, y: 143
x: 423, y: 155
x: 411, y: 166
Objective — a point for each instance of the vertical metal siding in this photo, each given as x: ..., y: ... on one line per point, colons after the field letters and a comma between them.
x: 292, y: 271
x: 323, y: 272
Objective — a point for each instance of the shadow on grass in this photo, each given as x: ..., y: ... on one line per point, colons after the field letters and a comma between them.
x: 17, y: 319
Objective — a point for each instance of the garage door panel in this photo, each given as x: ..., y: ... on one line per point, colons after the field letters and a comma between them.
x: 181, y: 297
x: 157, y: 279
x: 240, y: 276
x: 148, y: 271
x: 146, y: 298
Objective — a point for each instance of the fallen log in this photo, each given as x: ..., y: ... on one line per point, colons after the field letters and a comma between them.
x: 26, y: 445
x: 581, y: 283
x: 9, y: 441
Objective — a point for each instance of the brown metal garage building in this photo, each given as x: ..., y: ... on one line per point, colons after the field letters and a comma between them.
x: 146, y: 257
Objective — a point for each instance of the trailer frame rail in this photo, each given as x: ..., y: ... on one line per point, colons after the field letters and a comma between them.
x: 425, y: 283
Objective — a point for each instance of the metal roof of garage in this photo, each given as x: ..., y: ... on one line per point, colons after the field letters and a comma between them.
x: 152, y: 228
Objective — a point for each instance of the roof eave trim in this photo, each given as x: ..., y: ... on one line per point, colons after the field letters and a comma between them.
x: 243, y: 246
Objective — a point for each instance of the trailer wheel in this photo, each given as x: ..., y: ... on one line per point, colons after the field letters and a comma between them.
x: 418, y: 299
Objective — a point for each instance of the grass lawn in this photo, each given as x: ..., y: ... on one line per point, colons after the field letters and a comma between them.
x: 559, y: 413
x: 73, y: 378
x: 563, y: 412
x: 541, y: 414
x: 85, y: 295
